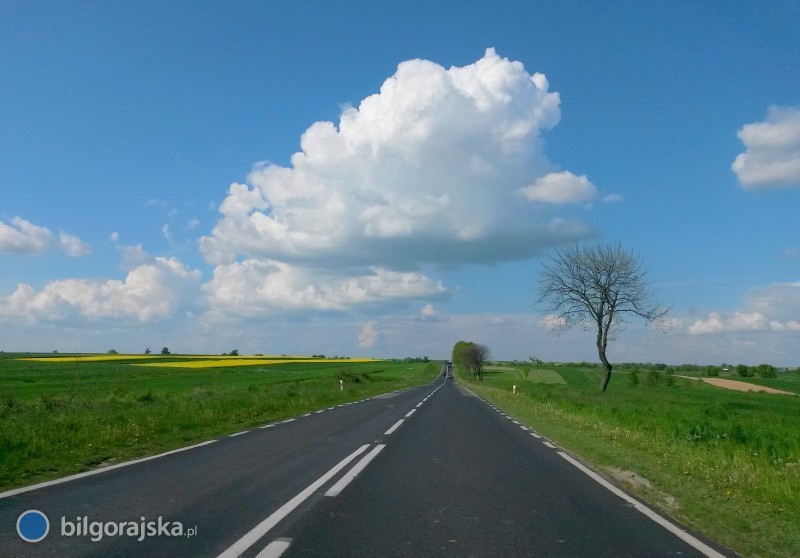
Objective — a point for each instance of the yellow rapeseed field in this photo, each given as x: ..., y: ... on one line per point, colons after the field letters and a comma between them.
x: 89, y: 358
x: 195, y: 361
x: 218, y: 363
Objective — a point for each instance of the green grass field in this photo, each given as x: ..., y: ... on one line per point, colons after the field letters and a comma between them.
x: 62, y: 417
x: 723, y: 462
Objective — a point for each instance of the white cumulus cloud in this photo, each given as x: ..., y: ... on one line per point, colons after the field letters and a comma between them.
x: 369, y: 335
x: 23, y: 237
x: 427, y: 170
x: 72, y: 245
x: 150, y: 291
x: 256, y: 287
x: 430, y: 314
x: 560, y: 188
x: 772, y: 308
x: 773, y: 150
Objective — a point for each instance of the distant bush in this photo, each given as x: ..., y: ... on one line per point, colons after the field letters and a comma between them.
x: 347, y: 375
x: 146, y: 397
x: 766, y: 371
x: 633, y: 377
x: 653, y: 378
x: 743, y: 371
x: 669, y: 378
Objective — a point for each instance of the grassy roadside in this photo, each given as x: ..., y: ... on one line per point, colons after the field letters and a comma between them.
x: 725, y: 463
x: 62, y: 418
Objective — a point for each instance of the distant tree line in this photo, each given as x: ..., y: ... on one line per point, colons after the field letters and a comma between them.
x: 741, y: 370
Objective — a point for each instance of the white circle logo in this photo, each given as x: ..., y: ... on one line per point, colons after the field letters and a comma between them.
x: 33, y: 526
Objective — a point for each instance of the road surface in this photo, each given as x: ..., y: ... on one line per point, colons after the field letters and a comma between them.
x: 427, y: 471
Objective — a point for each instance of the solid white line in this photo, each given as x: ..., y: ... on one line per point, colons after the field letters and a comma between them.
x: 394, y: 427
x: 97, y: 471
x: 549, y: 445
x: 237, y: 434
x: 275, y: 548
x: 337, y: 488
x: 252, y: 536
x: 411, y: 412
x: 668, y: 525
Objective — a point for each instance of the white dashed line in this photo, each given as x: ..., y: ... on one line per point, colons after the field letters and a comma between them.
x: 535, y: 435
x: 238, y: 434
x: 394, y: 427
x: 549, y: 445
x: 411, y: 412
x: 275, y: 549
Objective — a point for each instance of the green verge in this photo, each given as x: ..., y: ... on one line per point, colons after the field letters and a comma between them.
x: 62, y: 418
x: 724, y: 463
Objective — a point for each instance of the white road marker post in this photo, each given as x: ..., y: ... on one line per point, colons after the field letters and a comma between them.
x: 514, y: 390
x: 341, y: 385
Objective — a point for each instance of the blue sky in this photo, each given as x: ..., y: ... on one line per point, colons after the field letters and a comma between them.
x: 169, y: 178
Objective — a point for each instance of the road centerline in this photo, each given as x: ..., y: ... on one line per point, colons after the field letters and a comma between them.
x: 337, y: 488
x: 394, y: 427
x: 252, y: 536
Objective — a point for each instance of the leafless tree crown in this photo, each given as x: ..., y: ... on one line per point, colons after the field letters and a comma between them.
x: 597, y: 286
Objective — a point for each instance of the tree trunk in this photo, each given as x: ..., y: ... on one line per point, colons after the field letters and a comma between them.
x: 603, y: 326
x: 607, y: 367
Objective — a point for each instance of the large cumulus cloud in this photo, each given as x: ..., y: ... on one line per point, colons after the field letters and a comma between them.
x: 435, y: 168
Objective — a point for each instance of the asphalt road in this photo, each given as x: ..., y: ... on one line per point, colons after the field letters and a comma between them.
x: 429, y: 471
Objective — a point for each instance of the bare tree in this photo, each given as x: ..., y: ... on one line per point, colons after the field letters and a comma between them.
x: 597, y: 287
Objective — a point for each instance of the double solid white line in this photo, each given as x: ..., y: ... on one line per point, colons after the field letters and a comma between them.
x: 337, y: 488
x: 257, y: 532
